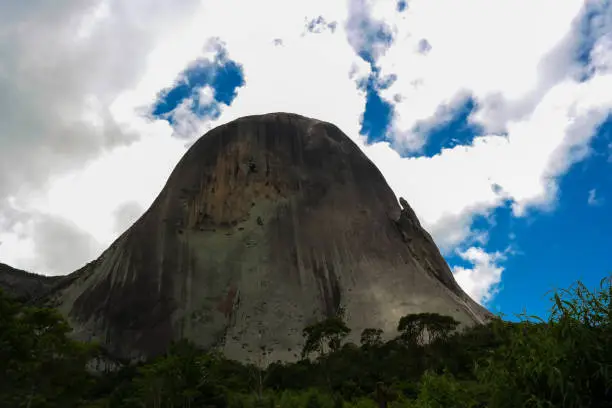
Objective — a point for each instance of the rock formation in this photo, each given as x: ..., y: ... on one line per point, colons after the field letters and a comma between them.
x: 266, y: 224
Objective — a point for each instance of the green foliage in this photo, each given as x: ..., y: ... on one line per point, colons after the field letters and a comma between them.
x: 324, y: 335
x: 417, y: 328
x: 313, y: 401
x: 185, y: 377
x: 411, y: 328
x: 442, y: 391
x: 371, y: 337
x: 563, y: 362
x: 566, y: 361
x: 41, y: 366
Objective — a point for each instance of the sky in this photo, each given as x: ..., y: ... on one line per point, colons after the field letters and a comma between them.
x: 492, y: 118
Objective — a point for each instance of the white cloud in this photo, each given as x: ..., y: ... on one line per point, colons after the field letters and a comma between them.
x: 364, y: 29
x: 481, y: 52
x: 481, y: 281
x: 524, y: 163
x: 62, y: 67
x: 187, y: 123
x: 207, y: 95
x: 125, y: 215
x: 50, y: 243
x: 525, y: 85
x: 312, y: 73
x: 593, y: 199
x: 84, y: 115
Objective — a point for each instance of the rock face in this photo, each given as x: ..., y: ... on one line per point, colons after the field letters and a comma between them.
x: 23, y: 285
x: 267, y: 224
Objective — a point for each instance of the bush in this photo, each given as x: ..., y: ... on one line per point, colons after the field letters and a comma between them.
x: 565, y: 361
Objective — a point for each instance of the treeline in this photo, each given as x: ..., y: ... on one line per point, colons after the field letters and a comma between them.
x: 565, y: 361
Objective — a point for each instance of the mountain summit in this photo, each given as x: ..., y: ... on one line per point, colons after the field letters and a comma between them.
x: 267, y: 224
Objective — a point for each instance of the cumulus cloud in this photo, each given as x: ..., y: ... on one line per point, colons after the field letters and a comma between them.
x: 63, y: 65
x: 488, y: 56
x: 481, y: 281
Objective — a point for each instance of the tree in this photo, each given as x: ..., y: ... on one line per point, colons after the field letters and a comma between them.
x: 411, y: 329
x: 258, y: 370
x: 437, y: 326
x: 371, y: 337
x: 34, y: 343
x: 324, y: 336
x: 418, y: 328
x: 181, y: 378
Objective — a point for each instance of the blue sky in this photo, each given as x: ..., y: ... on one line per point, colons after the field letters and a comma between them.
x: 221, y: 74
x: 554, y: 249
x: 550, y: 249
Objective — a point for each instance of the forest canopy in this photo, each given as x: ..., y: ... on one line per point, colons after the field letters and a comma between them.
x: 564, y: 361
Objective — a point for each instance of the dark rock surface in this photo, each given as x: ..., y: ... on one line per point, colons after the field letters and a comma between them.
x: 267, y: 224
x: 23, y: 285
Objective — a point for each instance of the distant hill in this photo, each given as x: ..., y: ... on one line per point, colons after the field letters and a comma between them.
x: 24, y: 285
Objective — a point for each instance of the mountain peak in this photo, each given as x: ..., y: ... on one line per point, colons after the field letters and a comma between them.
x: 267, y: 223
